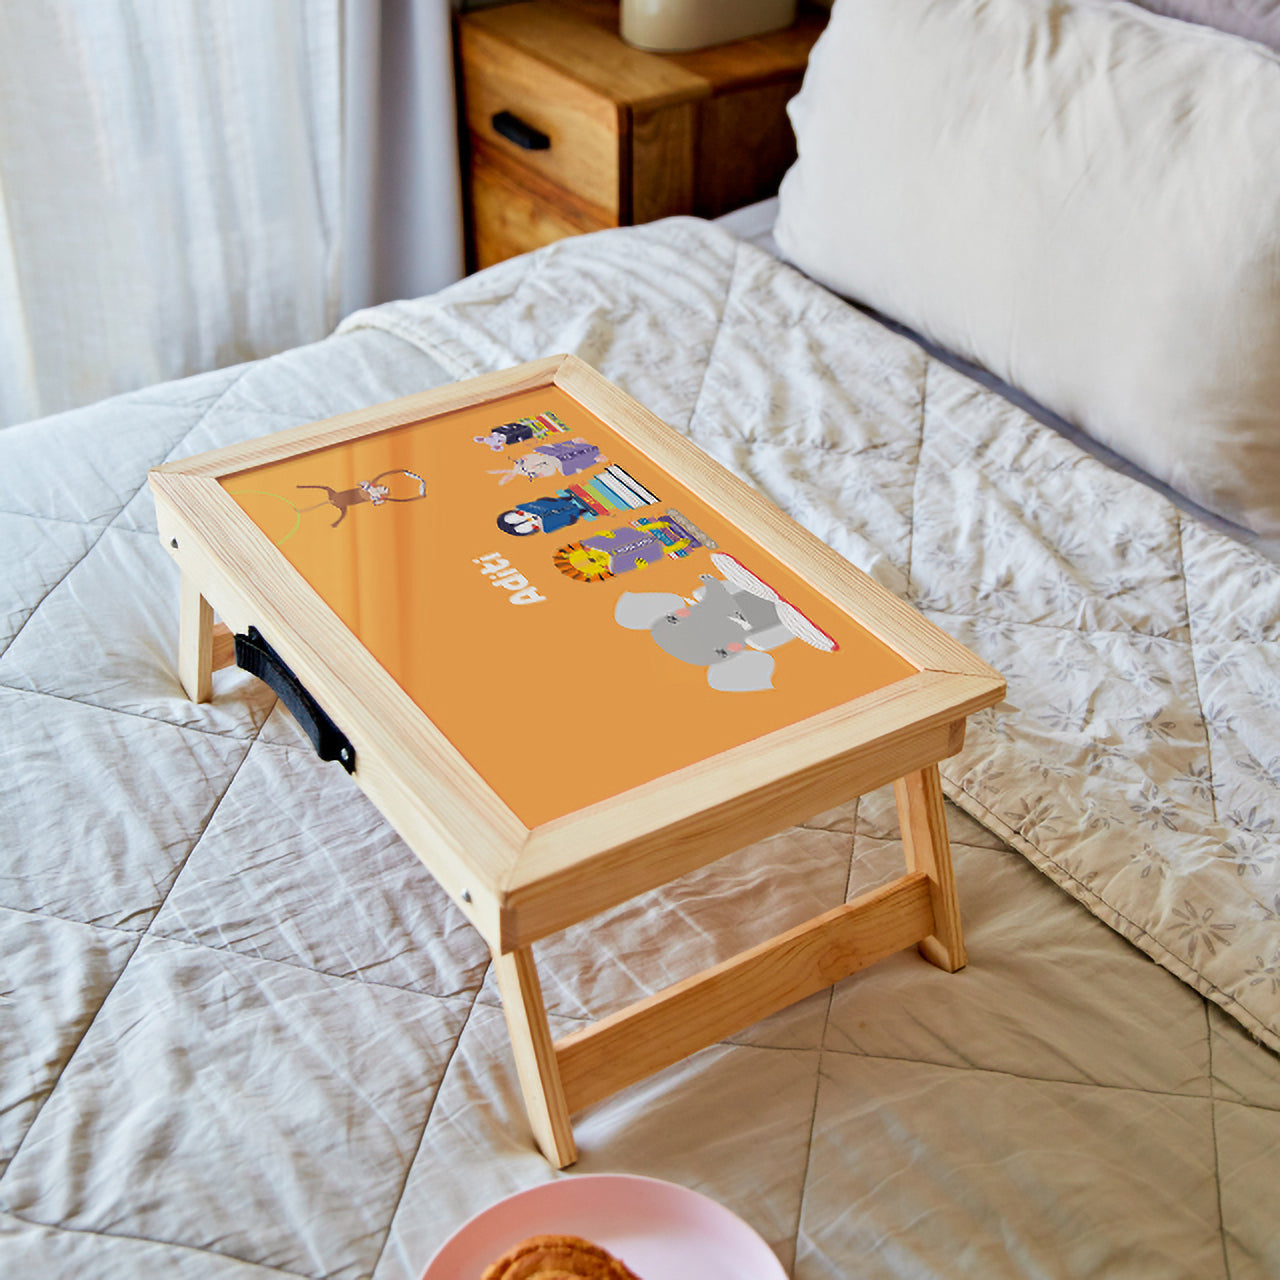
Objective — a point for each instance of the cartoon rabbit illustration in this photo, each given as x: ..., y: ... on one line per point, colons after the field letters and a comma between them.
x: 560, y: 459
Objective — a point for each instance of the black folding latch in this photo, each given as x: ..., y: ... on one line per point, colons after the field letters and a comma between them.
x: 257, y: 657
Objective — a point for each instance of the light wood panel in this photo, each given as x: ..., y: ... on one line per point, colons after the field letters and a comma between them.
x: 582, y: 124
x: 535, y: 1055
x: 445, y: 813
x: 526, y: 885
x: 224, y: 646
x: 565, y: 38
x: 362, y: 422
x: 638, y: 135
x: 195, y: 641
x: 515, y: 214
x: 928, y: 848
x: 661, y: 177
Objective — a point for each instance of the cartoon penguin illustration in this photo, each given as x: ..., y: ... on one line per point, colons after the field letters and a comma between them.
x: 543, y: 515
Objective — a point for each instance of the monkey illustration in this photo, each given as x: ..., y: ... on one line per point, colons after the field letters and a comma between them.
x: 366, y: 491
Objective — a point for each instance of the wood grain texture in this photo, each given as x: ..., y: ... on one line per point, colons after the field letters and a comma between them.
x: 224, y: 646
x: 525, y: 885
x: 565, y: 39
x: 535, y: 1055
x: 560, y: 30
x: 634, y: 134
x: 758, y: 60
x: 689, y: 1015
x: 362, y: 422
x: 928, y: 849
x: 514, y: 211
x: 661, y: 171
x: 742, y: 150
x: 582, y: 124
x: 195, y: 641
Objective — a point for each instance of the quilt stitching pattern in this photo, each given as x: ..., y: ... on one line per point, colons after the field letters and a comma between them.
x: 285, y: 890
x: 1149, y: 857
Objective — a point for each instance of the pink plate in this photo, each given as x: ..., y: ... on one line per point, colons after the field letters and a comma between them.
x: 661, y: 1231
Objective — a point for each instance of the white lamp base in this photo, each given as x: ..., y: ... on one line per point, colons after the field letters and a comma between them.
x: 677, y: 26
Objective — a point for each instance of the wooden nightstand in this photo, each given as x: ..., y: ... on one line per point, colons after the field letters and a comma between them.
x: 569, y: 129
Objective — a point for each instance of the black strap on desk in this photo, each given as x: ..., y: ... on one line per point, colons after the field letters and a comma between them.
x: 257, y: 657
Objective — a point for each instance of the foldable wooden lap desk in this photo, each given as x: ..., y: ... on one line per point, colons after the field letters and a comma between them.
x: 570, y: 658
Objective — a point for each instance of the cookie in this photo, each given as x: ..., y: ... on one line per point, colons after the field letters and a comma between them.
x: 557, y: 1257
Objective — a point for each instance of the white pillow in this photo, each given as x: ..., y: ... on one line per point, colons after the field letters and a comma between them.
x: 1080, y: 196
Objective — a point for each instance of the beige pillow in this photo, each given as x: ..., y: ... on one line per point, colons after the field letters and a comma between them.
x: 1082, y: 197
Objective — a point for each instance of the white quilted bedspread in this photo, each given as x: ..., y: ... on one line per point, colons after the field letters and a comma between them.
x: 1142, y: 771
x: 243, y: 1035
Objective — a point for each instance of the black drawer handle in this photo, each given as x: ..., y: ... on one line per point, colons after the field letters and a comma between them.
x: 518, y: 131
x: 258, y: 658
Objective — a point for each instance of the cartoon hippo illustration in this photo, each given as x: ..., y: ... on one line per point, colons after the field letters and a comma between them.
x: 727, y: 626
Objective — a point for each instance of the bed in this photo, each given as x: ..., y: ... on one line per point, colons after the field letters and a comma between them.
x: 242, y: 1033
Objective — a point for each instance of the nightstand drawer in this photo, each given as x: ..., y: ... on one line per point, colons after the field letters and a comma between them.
x: 613, y: 135
x: 511, y: 216
x: 582, y: 151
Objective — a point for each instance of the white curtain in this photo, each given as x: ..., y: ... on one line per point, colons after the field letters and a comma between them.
x: 189, y: 183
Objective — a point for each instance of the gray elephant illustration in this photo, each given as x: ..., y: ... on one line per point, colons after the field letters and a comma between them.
x: 725, y: 629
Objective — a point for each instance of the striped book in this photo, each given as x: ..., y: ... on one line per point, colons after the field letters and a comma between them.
x: 629, y: 484
x: 579, y: 492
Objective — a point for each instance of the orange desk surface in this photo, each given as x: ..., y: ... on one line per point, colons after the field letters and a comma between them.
x: 571, y: 663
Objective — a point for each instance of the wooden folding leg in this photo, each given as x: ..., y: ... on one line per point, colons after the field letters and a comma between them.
x: 195, y: 642
x: 668, y: 1026
x: 535, y: 1055
x: 924, y: 834
x: 224, y: 646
